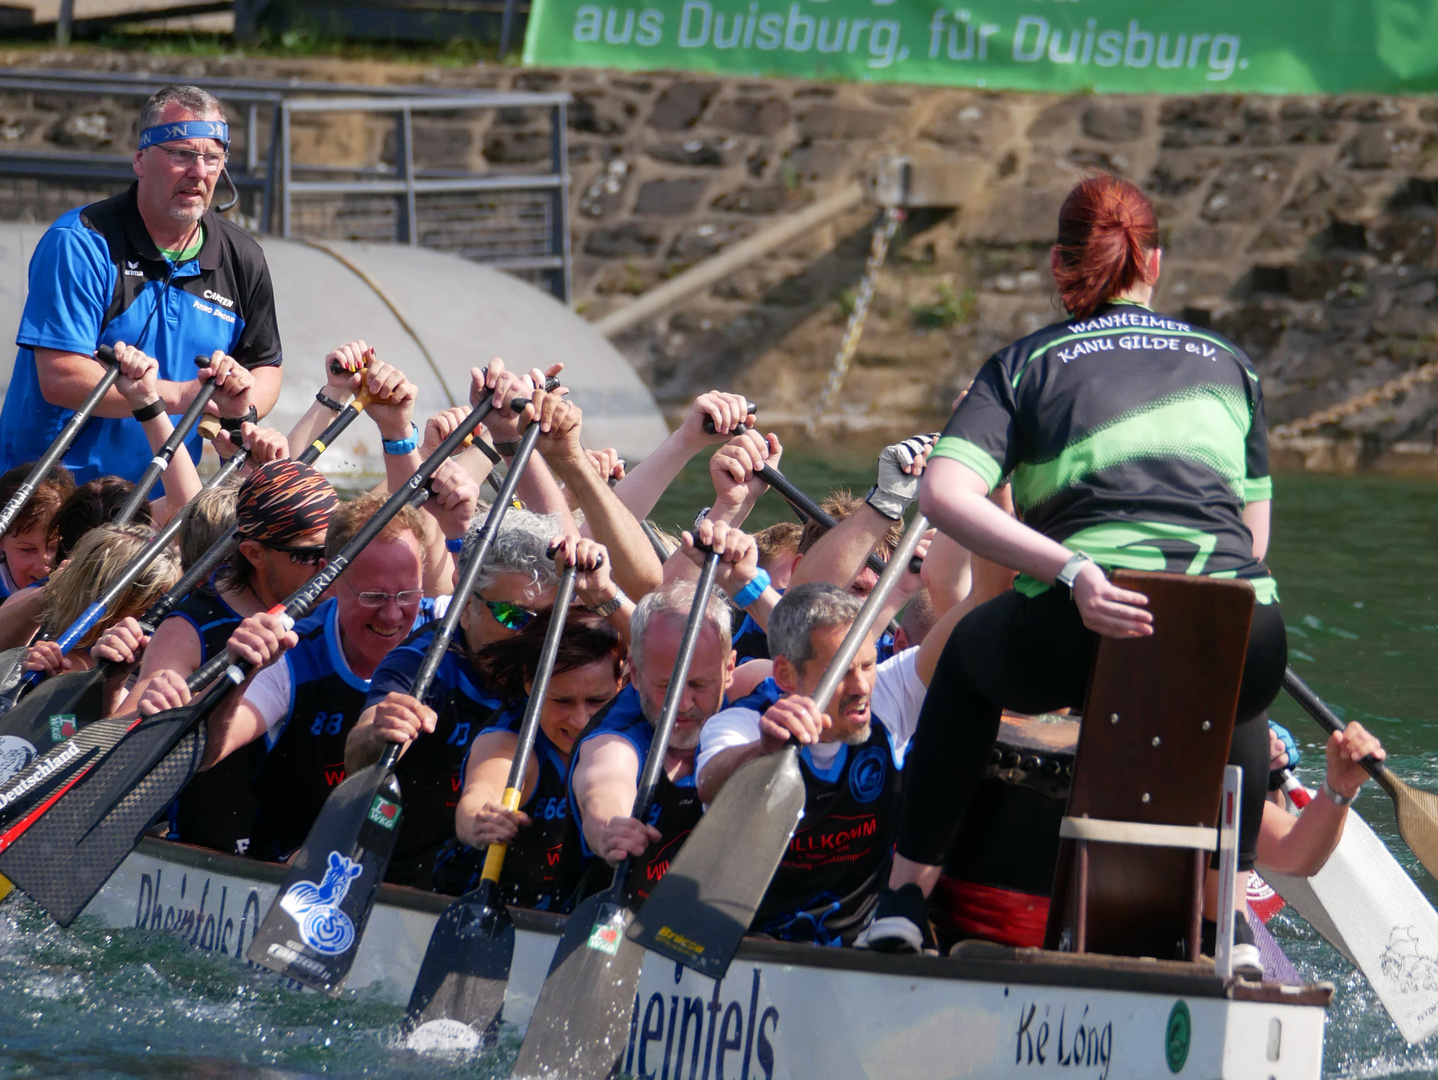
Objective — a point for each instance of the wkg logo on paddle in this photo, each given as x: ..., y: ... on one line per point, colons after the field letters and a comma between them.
x: 316, y: 908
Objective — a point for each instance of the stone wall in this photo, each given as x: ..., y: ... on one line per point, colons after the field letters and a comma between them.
x: 1302, y: 228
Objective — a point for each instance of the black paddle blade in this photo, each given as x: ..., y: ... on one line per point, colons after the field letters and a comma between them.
x: 313, y: 929
x: 51, y: 713
x: 69, y: 853
x: 464, y: 973
x: 581, y: 1020
x: 706, y: 900
x: 51, y: 772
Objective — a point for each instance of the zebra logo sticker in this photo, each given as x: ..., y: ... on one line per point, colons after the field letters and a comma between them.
x: 15, y: 754
x: 316, y: 908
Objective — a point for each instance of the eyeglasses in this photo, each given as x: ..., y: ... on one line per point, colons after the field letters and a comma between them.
x: 377, y: 599
x: 510, y: 616
x: 185, y: 159
x: 303, y: 555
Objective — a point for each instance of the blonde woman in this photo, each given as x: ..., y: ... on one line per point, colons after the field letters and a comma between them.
x: 98, y: 560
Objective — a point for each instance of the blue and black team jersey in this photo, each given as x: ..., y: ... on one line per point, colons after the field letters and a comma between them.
x: 96, y: 278
x: 431, y: 773
x: 306, y: 758
x: 676, y: 808
x: 534, y: 867
x: 1131, y: 436
x: 837, y: 861
x: 217, y: 807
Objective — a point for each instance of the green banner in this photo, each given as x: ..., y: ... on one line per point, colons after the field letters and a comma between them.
x: 1104, y: 46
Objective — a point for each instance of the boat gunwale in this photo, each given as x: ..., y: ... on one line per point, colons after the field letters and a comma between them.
x: 976, y: 962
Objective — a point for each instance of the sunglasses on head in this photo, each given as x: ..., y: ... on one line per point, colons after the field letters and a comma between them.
x: 304, y: 554
x: 510, y: 616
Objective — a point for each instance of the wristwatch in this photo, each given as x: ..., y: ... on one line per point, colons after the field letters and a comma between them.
x: 232, y: 424
x: 1334, y: 796
x: 1070, y: 572
x: 610, y: 606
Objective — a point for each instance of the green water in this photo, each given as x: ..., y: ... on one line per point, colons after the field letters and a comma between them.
x: 1356, y: 565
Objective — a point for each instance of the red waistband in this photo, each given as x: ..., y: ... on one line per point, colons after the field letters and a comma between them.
x: 964, y: 909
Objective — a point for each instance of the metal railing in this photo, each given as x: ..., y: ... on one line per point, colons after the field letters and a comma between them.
x: 514, y: 220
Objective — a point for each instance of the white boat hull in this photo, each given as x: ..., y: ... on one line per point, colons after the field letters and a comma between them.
x: 797, y: 1013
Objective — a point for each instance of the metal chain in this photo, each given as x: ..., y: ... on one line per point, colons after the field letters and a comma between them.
x: 1387, y: 392
x: 884, y: 230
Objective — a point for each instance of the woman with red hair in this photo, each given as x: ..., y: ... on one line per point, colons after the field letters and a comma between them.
x: 1132, y: 439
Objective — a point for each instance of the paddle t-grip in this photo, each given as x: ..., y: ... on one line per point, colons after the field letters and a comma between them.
x: 709, y: 429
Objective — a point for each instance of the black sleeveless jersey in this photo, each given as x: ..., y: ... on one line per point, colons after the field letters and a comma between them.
x: 676, y: 808
x: 431, y: 773
x: 838, y: 859
x: 306, y: 754
x: 217, y: 807
x: 534, y: 869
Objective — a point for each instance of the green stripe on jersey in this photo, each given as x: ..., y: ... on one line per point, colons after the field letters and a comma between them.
x: 1207, y: 424
x: 1257, y: 489
x: 1133, y: 545
x: 972, y: 455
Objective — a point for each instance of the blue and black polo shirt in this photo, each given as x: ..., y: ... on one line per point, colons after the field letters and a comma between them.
x: 96, y: 278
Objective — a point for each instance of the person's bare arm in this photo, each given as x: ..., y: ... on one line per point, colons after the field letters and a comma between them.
x: 174, y: 646
x: 644, y: 485
x: 234, y: 724
x: 362, y: 746
x: 605, y: 783
x: 838, y: 555
x: 1258, y: 516
x: 480, y: 818
x: 793, y: 718
x: 67, y: 378
x: 20, y: 617
x: 266, y: 390
x: 632, y: 562
x: 1300, y: 846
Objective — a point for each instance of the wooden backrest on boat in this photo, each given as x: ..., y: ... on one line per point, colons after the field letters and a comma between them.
x: 1158, y: 718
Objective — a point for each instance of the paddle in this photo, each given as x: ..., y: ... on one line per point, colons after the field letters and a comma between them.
x: 806, y: 508
x: 68, y: 434
x: 581, y: 1020
x: 466, y: 966
x: 68, y: 702
x: 706, y: 900
x: 312, y: 931
x: 63, y: 851
x: 163, y: 456
x: 1416, y: 810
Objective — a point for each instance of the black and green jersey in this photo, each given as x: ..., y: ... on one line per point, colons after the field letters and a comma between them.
x: 1131, y: 436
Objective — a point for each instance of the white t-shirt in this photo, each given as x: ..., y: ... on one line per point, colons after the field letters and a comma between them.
x: 271, y: 693
x: 898, y: 696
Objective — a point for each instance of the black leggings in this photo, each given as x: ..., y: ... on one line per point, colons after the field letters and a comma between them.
x: 1032, y: 655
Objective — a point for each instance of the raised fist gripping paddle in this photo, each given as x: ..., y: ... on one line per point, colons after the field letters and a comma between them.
x: 459, y: 992
x: 65, y: 849
x: 312, y: 932
x: 706, y: 900
x: 581, y: 1020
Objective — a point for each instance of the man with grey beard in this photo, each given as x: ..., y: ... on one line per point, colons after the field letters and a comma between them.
x: 850, y: 755
x: 608, y: 758
x: 153, y: 267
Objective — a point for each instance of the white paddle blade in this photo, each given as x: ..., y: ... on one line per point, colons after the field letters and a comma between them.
x: 1369, y: 909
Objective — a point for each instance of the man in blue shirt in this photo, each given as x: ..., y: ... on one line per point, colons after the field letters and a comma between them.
x: 153, y: 267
